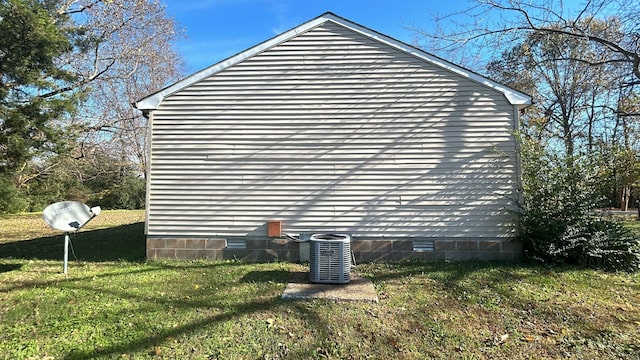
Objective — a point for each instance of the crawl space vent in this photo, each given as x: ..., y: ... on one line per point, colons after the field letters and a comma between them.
x: 236, y: 244
x: 423, y: 245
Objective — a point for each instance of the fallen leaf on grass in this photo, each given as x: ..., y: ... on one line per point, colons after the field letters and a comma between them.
x: 393, y: 342
x: 529, y: 338
x: 156, y: 352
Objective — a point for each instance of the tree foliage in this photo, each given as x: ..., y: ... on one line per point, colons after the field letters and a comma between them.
x: 69, y: 71
x: 491, y: 24
x: 579, y: 140
x: 128, y: 53
x: 98, y: 178
x: 574, y: 99
x: 557, y: 219
x: 31, y: 42
x: 11, y: 200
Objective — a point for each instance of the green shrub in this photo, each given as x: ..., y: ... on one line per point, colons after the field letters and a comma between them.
x: 592, y: 241
x: 128, y: 194
x: 557, y: 221
x: 11, y: 200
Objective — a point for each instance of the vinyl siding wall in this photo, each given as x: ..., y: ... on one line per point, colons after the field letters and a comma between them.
x: 333, y: 131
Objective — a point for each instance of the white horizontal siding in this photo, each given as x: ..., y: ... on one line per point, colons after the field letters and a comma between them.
x: 333, y: 131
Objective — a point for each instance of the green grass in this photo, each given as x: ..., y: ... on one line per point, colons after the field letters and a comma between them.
x: 114, y: 235
x: 114, y: 305
x: 634, y: 225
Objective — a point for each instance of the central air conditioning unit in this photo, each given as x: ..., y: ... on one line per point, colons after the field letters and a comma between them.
x: 330, y: 258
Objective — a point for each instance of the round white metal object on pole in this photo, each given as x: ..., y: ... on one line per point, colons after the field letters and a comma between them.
x: 67, y: 216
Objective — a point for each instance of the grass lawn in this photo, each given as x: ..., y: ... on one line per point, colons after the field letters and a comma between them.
x: 113, y: 304
x: 634, y: 225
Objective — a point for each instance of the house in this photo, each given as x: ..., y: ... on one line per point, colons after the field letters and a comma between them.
x: 332, y: 127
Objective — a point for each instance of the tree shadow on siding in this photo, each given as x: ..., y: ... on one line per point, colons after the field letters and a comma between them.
x: 466, y: 185
x: 126, y: 242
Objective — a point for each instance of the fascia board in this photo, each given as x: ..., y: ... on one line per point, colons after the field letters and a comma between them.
x: 513, y: 96
x: 152, y: 102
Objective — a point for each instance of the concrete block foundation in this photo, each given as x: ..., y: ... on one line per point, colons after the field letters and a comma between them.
x: 260, y: 249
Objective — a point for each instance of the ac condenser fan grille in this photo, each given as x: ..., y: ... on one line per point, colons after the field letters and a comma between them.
x: 330, y: 259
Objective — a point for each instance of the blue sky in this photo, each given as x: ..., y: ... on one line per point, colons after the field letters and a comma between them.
x: 218, y: 29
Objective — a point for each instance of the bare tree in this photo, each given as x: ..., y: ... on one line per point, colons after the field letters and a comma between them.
x: 122, y: 51
x: 573, y: 98
x: 583, y: 74
x: 76, y: 66
x: 495, y: 24
x: 126, y: 51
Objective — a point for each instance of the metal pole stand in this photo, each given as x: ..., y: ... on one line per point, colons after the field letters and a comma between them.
x: 66, y: 251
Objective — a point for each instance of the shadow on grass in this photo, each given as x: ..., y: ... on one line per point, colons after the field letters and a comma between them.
x: 126, y: 242
x: 492, y: 288
x: 226, y: 305
x: 189, y: 301
x: 146, y: 342
x: 9, y: 267
x: 275, y: 276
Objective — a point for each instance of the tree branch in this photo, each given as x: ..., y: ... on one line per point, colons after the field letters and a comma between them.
x: 78, y: 84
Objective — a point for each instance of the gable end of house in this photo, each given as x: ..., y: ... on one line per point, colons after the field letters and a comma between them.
x: 333, y: 128
x: 152, y: 101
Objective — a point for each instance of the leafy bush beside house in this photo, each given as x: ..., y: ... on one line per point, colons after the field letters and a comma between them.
x: 556, y: 218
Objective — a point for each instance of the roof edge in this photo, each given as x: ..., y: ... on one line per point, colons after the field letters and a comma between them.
x: 151, y: 102
x: 514, y: 96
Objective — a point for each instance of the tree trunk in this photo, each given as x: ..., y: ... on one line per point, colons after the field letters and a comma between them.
x: 624, y: 200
